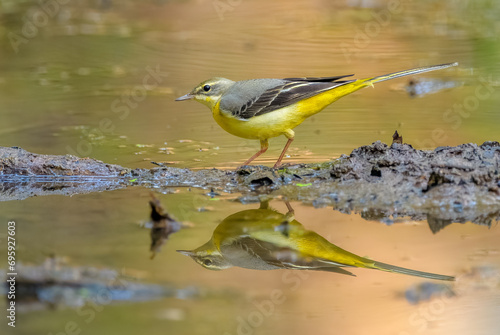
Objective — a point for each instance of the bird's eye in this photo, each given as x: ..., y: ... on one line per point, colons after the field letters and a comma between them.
x: 206, y: 88
x: 207, y: 262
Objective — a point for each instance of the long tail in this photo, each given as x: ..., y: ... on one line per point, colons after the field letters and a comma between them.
x: 370, y: 81
x: 397, y: 269
x: 353, y: 86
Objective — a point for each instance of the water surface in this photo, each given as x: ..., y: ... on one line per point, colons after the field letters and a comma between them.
x: 70, y: 88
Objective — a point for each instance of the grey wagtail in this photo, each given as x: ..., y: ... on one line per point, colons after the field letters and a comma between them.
x: 264, y: 239
x: 265, y: 108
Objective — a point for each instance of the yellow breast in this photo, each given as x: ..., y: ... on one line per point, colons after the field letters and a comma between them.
x: 264, y: 126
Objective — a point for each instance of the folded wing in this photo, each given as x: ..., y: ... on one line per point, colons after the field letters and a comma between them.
x: 250, y: 98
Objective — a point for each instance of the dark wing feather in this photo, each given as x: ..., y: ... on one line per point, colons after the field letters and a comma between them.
x: 318, y: 79
x: 247, y: 252
x: 290, y: 91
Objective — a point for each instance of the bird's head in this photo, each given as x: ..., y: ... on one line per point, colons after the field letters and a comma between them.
x: 210, y: 258
x: 208, y: 92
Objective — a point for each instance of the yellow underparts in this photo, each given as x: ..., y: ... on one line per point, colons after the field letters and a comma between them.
x: 283, y: 120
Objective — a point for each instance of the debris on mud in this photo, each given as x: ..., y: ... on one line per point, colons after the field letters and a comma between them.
x: 162, y: 225
x: 396, y: 138
x: 383, y: 183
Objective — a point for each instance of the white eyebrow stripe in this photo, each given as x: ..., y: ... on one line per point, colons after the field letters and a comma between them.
x: 294, y: 86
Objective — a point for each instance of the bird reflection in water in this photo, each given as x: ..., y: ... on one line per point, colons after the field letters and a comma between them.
x: 264, y: 239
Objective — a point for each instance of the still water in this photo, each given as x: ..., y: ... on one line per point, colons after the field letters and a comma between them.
x: 106, y: 231
x: 99, y: 79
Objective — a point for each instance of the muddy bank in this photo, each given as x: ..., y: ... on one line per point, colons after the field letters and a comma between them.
x: 24, y: 174
x: 383, y: 183
x: 19, y: 162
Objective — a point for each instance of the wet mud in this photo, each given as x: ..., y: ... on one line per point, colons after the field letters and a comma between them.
x: 24, y: 174
x: 383, y: 183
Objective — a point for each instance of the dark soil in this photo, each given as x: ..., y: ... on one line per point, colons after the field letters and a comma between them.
x: 24, y: 174
x: 383, y: 183
x: 19, y: 162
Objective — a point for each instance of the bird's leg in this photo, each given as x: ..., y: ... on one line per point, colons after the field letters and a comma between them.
x: 290, y: 208
x: 264, y: 204
x: 264, y: 144
x: 290, y: 135
x: 289, y: 217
